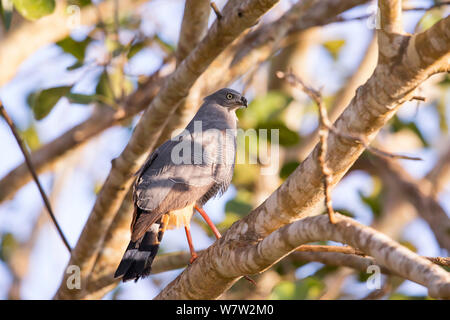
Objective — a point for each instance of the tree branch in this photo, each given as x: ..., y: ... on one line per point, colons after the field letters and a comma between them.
x: 193, y: 27
x: 30, y: 167
x: 233, y: 258
x: 391, y: 16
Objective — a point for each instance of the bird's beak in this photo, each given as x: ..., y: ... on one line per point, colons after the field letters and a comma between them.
x: 244, y: 102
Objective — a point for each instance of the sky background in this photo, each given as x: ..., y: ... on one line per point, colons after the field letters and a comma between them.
x: 88, y: 167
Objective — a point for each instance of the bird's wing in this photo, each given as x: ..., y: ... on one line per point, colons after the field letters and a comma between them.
x: 168, y: 183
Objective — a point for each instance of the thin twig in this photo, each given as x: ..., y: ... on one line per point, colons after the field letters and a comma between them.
x: 216, y: 10
x: 324, y: 128
x: 33, y: 172
x: 294, y: 79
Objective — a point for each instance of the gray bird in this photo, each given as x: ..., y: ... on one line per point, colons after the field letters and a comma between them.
x: 180, y: 176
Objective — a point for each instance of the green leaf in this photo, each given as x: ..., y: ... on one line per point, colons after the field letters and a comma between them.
x: 245, y: 175
x: 74, y: 47
x: 374, y: 200
x: 6, y: 11
x: 345, y: 212
x: 81, y: 98
x: 334, y: 47
x: 287, y: 137
x: 288, y: 168
x: 264, y: 108
x: 230, y: 218
x: 429, y: 19
x: 397, y: 125
x: 31, y: 137
x: 167, y: 47
x: 135, y: 48
x: 401, y: 296
x: 238, y: 207
x: 8, y: 246
x: 43, y: 101
x: 284, y: 290
x: 34, y: 9
x: 80, y: 3
x: 308, y: 288
x: 74, y: 66
x: 110, y: 86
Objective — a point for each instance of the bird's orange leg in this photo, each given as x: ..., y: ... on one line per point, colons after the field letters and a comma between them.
x: 194, y: 255
x: 216, y: 233
x: 208, y: 221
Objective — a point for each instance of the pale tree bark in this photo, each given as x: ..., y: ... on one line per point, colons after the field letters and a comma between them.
x: 228, y: 259
x: 193, y: 27
x: 237, y: 16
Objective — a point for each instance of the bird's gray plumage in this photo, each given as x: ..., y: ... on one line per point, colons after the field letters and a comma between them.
x: 191, y: 168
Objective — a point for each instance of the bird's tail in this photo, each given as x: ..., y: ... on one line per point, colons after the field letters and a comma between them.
x: 138, y: 258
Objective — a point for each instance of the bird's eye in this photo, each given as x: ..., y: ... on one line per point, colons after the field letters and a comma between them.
x: 229, y: 96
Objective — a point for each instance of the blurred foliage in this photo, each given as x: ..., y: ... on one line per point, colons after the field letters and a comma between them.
x: 43, y: 101
x: 6, y: 11
x: 288, y: 168
x: 74, y: 47
x: 397, y: 124
x: 112, y: 85
x: 31, y: 137
x: 262, y: 109
x: 334, y: 47
x: 8, y: 245
x: 374, y: 200
x: 429, y: 19
x: 401, y: 296
x: 305, y: 289
x: 34, y: 9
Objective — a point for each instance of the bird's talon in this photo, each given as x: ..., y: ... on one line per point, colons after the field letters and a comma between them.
x: 193, y: 258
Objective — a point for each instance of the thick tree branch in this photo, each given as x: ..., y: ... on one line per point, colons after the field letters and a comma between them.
x: 193, y: 27
x: 232, y: 258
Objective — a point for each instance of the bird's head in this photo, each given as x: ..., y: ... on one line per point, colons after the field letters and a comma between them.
x: 228, y: 98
